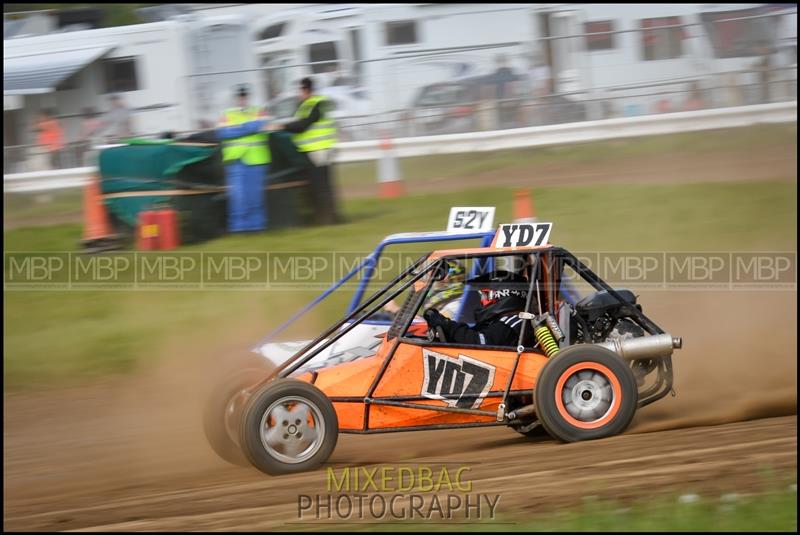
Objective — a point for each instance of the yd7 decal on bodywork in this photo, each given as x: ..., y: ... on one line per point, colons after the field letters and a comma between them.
x: 461, y: 382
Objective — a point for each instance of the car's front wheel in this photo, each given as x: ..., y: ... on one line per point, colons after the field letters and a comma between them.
x: 288, y: 426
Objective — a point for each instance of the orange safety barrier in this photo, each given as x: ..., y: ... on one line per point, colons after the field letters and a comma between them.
x: 95, y: 217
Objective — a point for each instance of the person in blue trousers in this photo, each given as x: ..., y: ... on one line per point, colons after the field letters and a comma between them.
x: 246, y: 156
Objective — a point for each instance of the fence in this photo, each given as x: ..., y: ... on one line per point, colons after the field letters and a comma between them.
x: 476, y: 115
x: 494, y: 140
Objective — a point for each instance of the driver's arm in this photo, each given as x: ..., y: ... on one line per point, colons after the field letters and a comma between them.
x: 495, y: 334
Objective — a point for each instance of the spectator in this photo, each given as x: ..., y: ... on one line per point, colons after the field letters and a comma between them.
x: 502, y: 81
x: 90, y: 128
x: 764, y: 67
x: 117, y: 124
x: 695, y: 101
x: 608, y: 110
x: 543, y: 79
x: 533, y: 86
x: 540, y: 87
x: 50, y: 137
x: 315, y: 134
x: 484, y: 112
x: 663, y: 106
x: 732, y: 93
x: 246, y: 155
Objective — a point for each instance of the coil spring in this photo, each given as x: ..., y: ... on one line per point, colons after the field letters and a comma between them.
x: 546, y: 340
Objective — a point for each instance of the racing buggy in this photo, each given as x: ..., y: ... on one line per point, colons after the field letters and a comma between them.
x: 592, y: 358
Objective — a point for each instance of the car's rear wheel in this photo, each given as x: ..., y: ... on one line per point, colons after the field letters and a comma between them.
x: 585, y: 392
x: 288, y: 426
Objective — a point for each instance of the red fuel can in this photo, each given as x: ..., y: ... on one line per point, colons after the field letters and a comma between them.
x: 167, y: 220
x: 147, y: 232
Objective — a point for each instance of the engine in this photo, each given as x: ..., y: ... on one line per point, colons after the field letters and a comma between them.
x: 599, y: 317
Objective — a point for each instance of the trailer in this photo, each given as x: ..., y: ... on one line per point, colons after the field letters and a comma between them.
x: 161, y: 70
x: 631, y: 57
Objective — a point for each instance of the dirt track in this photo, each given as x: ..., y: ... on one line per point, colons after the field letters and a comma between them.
x: 130, y: 455
x: 528, y: 475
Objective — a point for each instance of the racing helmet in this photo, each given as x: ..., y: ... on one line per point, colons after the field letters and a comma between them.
x: 511, y: 264
x: 451, y: 287
x: 500, y: 291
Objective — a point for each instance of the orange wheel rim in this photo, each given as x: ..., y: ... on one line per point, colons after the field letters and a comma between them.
x: 588, y: 395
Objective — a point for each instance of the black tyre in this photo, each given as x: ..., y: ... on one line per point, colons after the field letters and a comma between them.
x: 288, y: 426
x: 222, y: 413
x: 585, y: 392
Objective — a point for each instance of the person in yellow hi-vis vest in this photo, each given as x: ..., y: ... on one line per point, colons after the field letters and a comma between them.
x: 246, y: 156
x: 314, y: 133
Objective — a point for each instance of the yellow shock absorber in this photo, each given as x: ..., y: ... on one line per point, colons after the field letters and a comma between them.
x: 546, y: 340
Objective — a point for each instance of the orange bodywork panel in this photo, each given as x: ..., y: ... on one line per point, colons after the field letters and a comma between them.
x: 469, y: 378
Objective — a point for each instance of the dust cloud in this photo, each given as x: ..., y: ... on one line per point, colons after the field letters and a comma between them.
x: 739, y: 357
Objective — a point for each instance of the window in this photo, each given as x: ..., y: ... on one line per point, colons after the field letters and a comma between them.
x: 442, y: 95
x: 401, y: 32
x: 599, y: 42
x: 274, y: 75
x: 323, y: 57
x: 285, y: 108
x: 355, y: 44
x: 271, y: 32
x: 120, y: 75
x: 661, y: 38
x: 737, y: 38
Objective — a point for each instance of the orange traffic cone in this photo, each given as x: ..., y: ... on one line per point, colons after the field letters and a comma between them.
x: 97, y: 233
x: 95, y: 218
x: 390, y: 182
x: 523, y: 211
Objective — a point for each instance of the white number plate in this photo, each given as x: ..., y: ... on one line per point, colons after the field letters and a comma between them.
x: 523, y: 235
x: 470, y: 219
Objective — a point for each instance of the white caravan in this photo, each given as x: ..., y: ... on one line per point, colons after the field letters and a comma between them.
x: 637, y: 55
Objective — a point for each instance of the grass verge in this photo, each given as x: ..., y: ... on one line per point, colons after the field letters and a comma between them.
x: 775, y: 510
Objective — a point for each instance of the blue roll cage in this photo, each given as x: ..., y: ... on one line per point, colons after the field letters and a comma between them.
x: 368, y: 266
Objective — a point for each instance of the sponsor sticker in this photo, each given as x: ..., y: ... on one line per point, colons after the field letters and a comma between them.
x: 462, y: 382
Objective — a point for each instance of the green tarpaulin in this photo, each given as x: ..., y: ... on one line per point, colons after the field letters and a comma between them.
x: 190, y: 178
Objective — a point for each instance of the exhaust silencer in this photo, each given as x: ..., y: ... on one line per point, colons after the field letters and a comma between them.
x: 646, y: 347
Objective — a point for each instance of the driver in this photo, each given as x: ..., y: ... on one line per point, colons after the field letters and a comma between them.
x: 503, y: 297
x: 445, y: 295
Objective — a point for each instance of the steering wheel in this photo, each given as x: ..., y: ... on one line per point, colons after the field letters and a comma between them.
x: 436, y: 335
